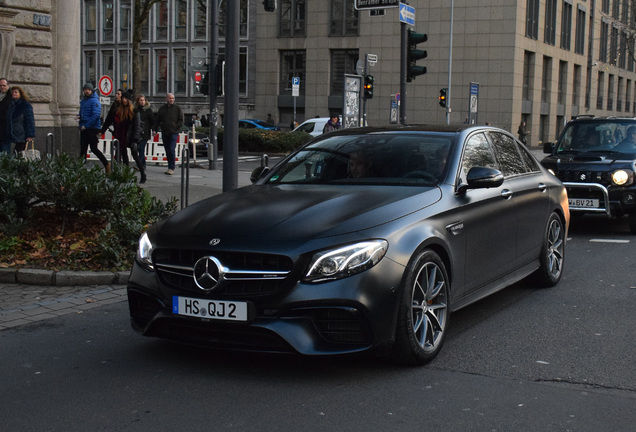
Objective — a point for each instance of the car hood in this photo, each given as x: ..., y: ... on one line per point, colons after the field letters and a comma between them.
x: 284, y: 212
x: 601, y: 156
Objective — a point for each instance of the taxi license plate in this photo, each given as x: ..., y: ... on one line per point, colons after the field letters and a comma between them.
x: 210, y: 309
x: 583, y: 202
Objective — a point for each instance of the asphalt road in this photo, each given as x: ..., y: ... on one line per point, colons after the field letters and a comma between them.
x: 525, y: 359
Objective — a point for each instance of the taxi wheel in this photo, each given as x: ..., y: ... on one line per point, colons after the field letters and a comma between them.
x: 424, y: 310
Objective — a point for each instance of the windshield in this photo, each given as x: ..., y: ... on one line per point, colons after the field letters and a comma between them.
x: 384, y: 158
x: 594, y: 136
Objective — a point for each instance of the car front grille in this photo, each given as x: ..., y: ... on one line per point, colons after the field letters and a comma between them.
x: 261, y: 274
x: 341, y: 325
x: 581, y: 176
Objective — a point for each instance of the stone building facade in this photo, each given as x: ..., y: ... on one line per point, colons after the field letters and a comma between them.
x: 40, y: 52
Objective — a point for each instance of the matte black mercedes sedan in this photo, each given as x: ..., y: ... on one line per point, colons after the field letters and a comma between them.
x: 363, y: 240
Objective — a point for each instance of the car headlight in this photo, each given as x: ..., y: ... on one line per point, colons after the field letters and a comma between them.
x: 622, y: 177
x: 345, y: 261
x: 144, y: 252
x: 195, y: 140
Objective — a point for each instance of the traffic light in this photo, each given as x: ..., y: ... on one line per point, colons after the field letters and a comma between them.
x: 270, y: 5
x: 369, y: 82
x: 204, y: 86
x: 414, y: 54
x: 442, y: 98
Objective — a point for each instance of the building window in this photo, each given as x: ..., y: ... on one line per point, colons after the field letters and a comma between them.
x: 242, y: 19
x: 599, y: 91
x: 602, y: 51
x: 613, y: 53
x: 616, y: 9
x: 546, y: 80
x: 528, y: 75
x: 532, y: 19
x: 161, y: 72
x: 576, y: 86
x: 292, y: 18
x: 610, y: 93
x: 628, y: 93
x: 550, y: 22
x: 563, y: 82
x: 292, y: 65
x: 200, y: 19
x: 107, y: 7
x: 90, y: 67
x: 342, y: 62
x: 579, y: 43
x: 630, y: 54
x: 344, y: 18
x: 619, y: 94
x: 162, y: 21
x: 124, y: 69
x: 124, y: 24
x: 566, y: 25
x: 622, y: 55
x: 605, y: 7
x: 180, y: 71
x: 90, y: 21
x: 144, y: 59
x: 108, y: 63
x: 242, y: 68
x: 181, y: 19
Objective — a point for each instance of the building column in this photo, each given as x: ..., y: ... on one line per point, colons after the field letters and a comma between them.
x: 66, y: 67
x: 7, y: 40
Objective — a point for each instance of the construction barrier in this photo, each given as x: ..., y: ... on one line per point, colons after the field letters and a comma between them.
x: 155, y: 151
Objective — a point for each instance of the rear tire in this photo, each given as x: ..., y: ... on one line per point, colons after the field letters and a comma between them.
x: 552, y: 253
x: 424, y: 310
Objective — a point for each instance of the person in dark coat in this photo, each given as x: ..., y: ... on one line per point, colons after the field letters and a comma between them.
x: 5, y: 101
x: 110, y: 120
x: 147, y: 120
x: 20, y: 124
x: 127, y: 130
x: 523, y: 133
x: 89, y: 123
x: 169, y: 120
x: 332, y: 124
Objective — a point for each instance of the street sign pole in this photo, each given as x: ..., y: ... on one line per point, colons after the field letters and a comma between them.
x: 404, y: 41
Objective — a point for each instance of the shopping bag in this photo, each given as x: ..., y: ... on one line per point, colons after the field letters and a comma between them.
x: 30, y: 154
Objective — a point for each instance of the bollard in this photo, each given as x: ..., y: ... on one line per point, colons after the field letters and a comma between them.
x: 50, y: 144
x: 264, y: 161
x: 185, y: 176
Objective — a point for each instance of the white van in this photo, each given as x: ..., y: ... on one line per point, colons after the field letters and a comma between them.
x: 313, y: 126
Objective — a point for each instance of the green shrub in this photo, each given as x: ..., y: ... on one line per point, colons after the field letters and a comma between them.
x: 68, y: 189
x: 264, y: 141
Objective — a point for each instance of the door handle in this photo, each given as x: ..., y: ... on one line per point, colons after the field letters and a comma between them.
x: 543, y: 187
x: 506, y: 193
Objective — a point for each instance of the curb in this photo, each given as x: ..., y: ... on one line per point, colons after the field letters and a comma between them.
x: 62, y: 278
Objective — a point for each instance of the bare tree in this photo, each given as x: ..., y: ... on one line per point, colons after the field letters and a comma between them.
x: 140, y: 19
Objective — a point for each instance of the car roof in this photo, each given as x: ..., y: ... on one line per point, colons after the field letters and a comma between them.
x: 600, y: 119
x: 443, y: 128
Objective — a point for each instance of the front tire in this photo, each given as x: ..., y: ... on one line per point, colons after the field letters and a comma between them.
x: 552, y: 253
x: 424, y: 310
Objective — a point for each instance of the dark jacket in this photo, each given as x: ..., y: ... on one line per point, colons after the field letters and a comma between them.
x: 4, y: 107
x: 331, y: 126
x: 147, y: 120
x: 110, y: 117
x: 20, y: 123
x: 128, y: 132
x: 169, y: 119
x: 90, y: 112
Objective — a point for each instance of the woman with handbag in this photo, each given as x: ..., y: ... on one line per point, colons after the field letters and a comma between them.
x: 127, y: 125
x: 20, y: 126
x: 147, y: 120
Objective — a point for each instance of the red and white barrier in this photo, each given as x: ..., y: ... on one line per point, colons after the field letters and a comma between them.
x: 155, y: 151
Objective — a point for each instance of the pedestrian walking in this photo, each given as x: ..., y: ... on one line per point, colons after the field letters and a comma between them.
x: 90, y: 123
x: 332, y: 124
x: 5, y: 101
x: 169, y: 120
x: 110, y: 120
x: 147, y: 118
x: 523, y: 133
x: 127, y: 130
x: 20, y: 124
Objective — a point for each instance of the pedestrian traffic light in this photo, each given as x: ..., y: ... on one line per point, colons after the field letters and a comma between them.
x: 414, y: 54
x: 270, y: 5
x: 442, y: 98
x: 369, y: 82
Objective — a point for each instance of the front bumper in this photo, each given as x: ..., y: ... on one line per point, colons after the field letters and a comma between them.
x: 348, y: 315
x: 613, y: 202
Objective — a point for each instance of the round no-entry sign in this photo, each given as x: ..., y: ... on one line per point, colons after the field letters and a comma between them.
x: 105, y: 85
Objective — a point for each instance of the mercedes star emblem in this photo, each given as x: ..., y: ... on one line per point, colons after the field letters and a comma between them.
x: 207, y: 272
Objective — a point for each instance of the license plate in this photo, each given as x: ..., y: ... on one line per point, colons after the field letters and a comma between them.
x: 210, y: 309
x: 583, y: 202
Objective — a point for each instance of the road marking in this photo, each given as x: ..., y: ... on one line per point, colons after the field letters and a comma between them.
x: 608, y: 241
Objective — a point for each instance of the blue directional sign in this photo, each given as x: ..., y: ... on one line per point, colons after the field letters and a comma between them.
x: 407, y: 14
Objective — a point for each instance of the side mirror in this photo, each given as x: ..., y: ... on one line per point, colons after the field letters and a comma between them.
x: 548, y: 147
x: 481, y: 178
x: 258, y: 173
